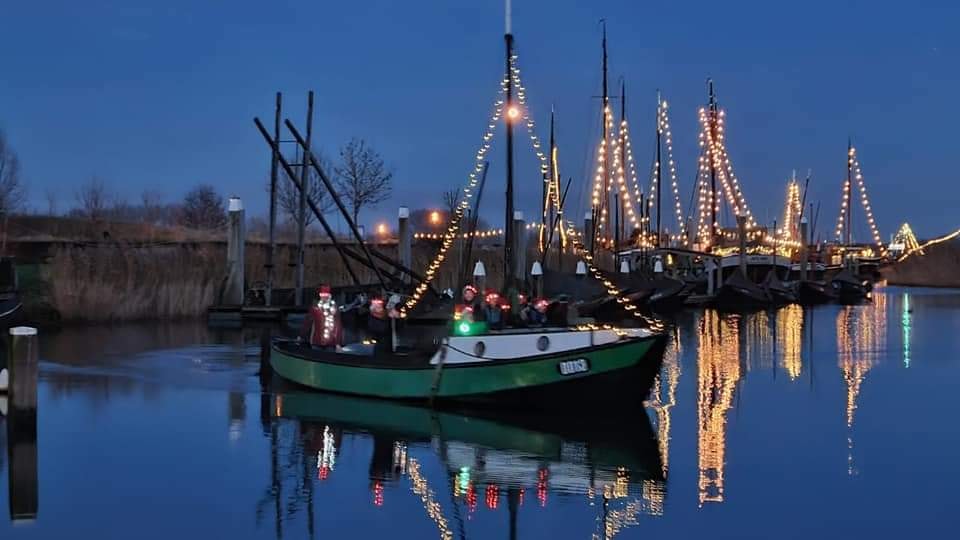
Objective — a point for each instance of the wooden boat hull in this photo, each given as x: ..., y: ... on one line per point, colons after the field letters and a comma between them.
x: 850, y: 289
x: 814, y: 292
x: 734, y: 298
x: 850, y: 293
x: 623, y: 369
x: 739, y: 293
x: 781, y: 296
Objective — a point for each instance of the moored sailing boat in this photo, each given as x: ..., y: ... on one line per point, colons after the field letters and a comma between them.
x: 547, y: 364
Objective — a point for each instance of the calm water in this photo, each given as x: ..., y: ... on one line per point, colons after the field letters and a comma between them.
x: 837, y: 422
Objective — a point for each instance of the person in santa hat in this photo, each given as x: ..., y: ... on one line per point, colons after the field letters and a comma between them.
x: 322, y: 327
x: 471, y: 310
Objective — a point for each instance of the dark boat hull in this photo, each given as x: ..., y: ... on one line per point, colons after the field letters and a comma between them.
x: 736, y: 298
x: 850, y: 293
x: 814, y: 292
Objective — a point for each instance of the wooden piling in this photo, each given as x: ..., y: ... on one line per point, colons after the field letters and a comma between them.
x: 404, y: 240
x: 22, y: 423
x: 536, y: 273
x: 588, y: 235
x: 23, y: 370
x: 742, y: 235
x: 233, y: 292
x: 803, y: 249
x: 519, y: 249
x: 480, y: 277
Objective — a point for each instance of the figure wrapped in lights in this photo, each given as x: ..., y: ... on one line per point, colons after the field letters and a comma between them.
x: 322, y: 326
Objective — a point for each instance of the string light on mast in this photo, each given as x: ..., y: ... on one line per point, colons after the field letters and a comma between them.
x: 663, y: 124
x: 791, y: 212
x: 472, y: 180
x: 857, y: 175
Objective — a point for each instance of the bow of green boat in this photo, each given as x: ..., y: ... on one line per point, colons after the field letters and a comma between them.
x: 535, y: 366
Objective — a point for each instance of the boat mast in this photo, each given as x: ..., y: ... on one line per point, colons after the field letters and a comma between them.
x: 658, y: 169
x: 508, y: 270
x: 618, y: 197
x: 599, y: 212
x: 713, y: 171
x: 849, y: 191
x: 547, y: 216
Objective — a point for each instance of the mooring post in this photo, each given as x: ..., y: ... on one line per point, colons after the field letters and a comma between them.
x: 742, y: 235
x: 536, y: 272
x: 23, y: 369
x: 480, y: 277
x: 588, y: 232
x: 22, y: 423
x: 581, y: 270
x: 404, y: 240
x: 719, y: 280
x: 236, y: 240
x: 519, y: 248
x: 711, y: 276
x: 803, y: 249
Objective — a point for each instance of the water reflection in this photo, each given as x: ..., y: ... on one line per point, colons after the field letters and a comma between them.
x: 719, y: 368
x: 790, y: 336
x: 748, y: 412
x: 500, y: 462
x: 861, y: 337
x: 663, y: 396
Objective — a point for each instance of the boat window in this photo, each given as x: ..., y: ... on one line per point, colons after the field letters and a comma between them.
x: 479, y: 348
x: 543, y: 343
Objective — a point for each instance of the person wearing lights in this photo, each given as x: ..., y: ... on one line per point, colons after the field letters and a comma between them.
x: 322, y: 327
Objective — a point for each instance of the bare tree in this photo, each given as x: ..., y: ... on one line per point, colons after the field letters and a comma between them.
x: 362, y: 177
x: 12, y: 193
x: 288, y: 196
x: 451, y: 199
x: 51, y: 197
x: 203, y: 208
x: 93, y: 199
x: 152, y: 202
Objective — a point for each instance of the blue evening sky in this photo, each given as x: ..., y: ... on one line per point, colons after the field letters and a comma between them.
x: 161, y: 95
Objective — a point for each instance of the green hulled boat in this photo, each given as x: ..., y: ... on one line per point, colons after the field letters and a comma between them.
x: 546, y: 367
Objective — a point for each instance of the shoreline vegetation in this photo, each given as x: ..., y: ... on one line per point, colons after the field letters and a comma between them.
x: 79, y: 271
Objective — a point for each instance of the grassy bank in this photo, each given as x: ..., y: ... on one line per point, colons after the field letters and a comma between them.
x: 124, y: 281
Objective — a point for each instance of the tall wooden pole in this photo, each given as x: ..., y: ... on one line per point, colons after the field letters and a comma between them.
x: 508, y: 240
x: 274, y: 163
x: 302, y: 210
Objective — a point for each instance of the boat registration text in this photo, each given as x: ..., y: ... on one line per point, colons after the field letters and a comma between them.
x: 572, y: 367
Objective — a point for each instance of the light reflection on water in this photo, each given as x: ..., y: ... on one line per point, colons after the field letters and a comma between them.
x: 753, y: 418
